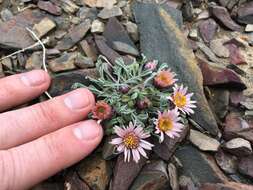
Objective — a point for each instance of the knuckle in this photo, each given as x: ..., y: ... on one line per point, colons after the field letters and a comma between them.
x: 53, y: 148
x: 7, y: 170
x: 45, y: 112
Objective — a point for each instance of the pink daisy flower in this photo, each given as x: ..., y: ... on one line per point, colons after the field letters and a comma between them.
x: 182, y: 100
x: 151, y: 65
x: 168, y: 122
x: 165, y: 79
x: 130, y: 141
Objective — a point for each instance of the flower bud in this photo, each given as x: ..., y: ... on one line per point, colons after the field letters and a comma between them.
x: 124, y: 89
x: 144, y: 103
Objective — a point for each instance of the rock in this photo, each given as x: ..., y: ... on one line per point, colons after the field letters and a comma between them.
x: 13, y: 34
x: 193, y: 34
x: 219, y: 49
x: 63, y: 63
x: 34, y: 62
x: 245, y: 13
x: 246, y: 166
x: 62, y: 83
x: 223, y: 16
x: 73, y: 182
x: 236, y: 127
x: 238, y: 146
x: 48, y: 186
x: 200, y: 167
x: 203, y: 142
x: 166, y: 149
x: 236, y: 57
x: 203, y: 15
x: 69, y: 6
x: 84, y: 62
x: 227, y: 162
x: 219, y: 101
x: 7, y: 64
x: 108, y: 150
x: 97, y: 26
x: 43, y: 27
x: 89, y: 50
x: 186, y: 183
x: 6, y: 15
x: 216, y: 76
x: 74, y: 36
x: 208, y: 52
x: 108, y: 13
x: 49, y: 7
x: 87, y: 13
x: 173, y: 176
x: 124, y: 173
x: 100, y: 3
x: 95, y: 171
x: 132, y: 30
x: 236, y: 97
x: 165, y: 42
x: 153, y: 176
x: 226, y: 186
x: 109, y: 53
x: 1, y: 71
x: 249, y: 28
x: 118, y: 39
x: 207, y: 29
x: 187, y: 11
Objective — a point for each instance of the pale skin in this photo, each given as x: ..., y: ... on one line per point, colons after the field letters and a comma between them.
x: 38, y: 141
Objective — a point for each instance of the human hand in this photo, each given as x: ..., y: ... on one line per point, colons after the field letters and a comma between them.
x: 40, y: 140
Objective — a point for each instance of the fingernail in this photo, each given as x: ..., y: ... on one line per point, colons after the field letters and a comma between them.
x: 33, y: 78
x: 77, y: 100
x: 88, y: 130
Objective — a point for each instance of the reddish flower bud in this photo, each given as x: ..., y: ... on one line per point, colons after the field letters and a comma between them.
x: 102, y: 111
x: 144, y: 103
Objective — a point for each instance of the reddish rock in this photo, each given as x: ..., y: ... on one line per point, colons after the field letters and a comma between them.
x: 207, y: 29
x: 49, y: 7
x: 124, y: 173
x: 215, y: 76
x: 235, y: 55
x: 223, y: 16
x: 245, y: 13
x: 235, y: 127
x: 227, y: 162
x: 13, y: 34
x: 236, y: 97
x: 226, y: 186
x: 246, y: 166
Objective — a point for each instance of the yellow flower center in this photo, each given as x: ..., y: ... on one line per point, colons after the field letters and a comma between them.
x: 165, y: 78
x: 179, y: 100
x: 165, y: 124
x: 131, y: 141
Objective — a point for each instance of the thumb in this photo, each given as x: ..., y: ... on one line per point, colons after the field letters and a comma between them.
x: 28, y: 164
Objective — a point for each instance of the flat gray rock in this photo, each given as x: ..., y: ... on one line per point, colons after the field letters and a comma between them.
x: 162, y: 39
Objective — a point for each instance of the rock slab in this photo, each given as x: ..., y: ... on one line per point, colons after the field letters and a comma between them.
x: 162, y: 39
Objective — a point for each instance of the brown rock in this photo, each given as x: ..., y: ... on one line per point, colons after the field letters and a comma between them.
x: 49, y: 7
x: 235, y: 127
x: 73, y: 182
x: 43, y: 27
x: 246, y: 166
x: 89, y: 49
x: 186, y: 183
x: 69, y: 6
x: 215, y: 76
x: 34, y: 62
x: 63, y: 63
x: 124, y: 173
x: 223, y: 16
x: 74, y: 36
x: 109, y: 13
x: 207, y: 29
x: 95, y: 171
x: 173, y: 176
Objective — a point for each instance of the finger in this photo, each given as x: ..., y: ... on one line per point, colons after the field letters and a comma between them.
x: 40, y: 159
x: 20, y: 88
x: 21, y: 126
